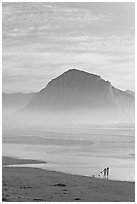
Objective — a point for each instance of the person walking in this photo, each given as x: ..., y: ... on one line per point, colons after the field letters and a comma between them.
x: 107, y: 172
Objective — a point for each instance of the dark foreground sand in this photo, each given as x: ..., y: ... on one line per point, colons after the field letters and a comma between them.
x: 33, y: 185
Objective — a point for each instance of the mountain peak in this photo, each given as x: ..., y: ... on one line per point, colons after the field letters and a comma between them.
x: 72, y: 70
x: 79, y: 91
x: 78, y: 71
x: 74, y: 79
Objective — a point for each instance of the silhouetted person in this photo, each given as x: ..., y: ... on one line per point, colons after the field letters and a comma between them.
x: 107, y: 172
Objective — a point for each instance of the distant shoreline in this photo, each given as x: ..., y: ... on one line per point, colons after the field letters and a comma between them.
x: 31, y: 184
x: 13, y: 160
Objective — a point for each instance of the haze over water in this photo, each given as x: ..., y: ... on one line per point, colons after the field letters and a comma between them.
x: 77, y: 149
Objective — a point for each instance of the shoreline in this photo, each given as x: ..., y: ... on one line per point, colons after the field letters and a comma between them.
x: 7, y: 160
x: 12, y: 162
x: 52, y: 186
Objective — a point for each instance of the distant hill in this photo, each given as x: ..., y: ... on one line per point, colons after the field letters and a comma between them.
x: 130, y: 92
x: 79, y: 91
x: 16, y: 101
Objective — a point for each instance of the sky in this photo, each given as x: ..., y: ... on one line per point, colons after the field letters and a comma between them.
x: 42, y: 40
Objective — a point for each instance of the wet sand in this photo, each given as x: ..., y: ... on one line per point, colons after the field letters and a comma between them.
x: 36, y: 185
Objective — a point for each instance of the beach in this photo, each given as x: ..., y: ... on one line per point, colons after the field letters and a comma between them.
x: 82, y: 150
x: 21, y: 184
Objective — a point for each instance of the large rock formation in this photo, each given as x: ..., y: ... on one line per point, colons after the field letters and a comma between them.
x: 77, y: 91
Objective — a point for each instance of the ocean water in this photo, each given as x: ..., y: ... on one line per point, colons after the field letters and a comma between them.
x: 78, y: 149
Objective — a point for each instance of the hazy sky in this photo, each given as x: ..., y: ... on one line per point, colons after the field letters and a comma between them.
x: 42, y: 40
